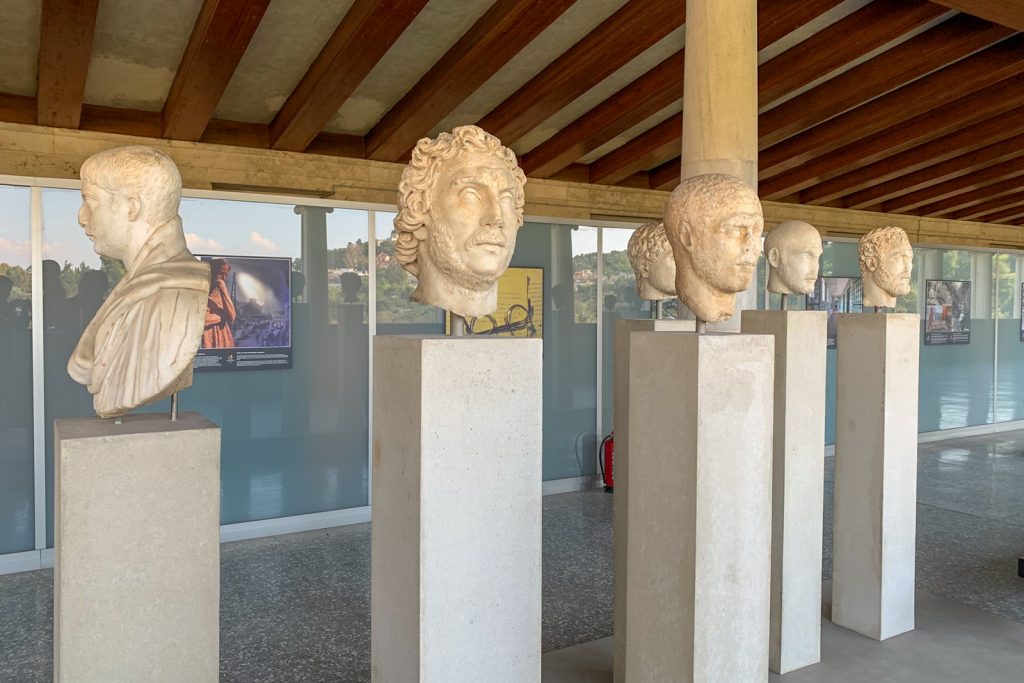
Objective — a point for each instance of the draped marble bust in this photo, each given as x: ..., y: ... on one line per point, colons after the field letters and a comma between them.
x: 460, y: 206
x: 138, y: 349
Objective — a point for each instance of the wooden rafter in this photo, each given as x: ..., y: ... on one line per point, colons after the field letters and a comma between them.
x: 219, y: 38
x: 666, y: 175
x: 982, y: 210
x: 646, y: 150
x: 632, y: 29
x: 974, y: 197
x: 1006, y: 12
x: 66, y: 29
x: 1011, y: 214
x: 368, y: 30
x: 932, y: 136
x: 938, y: 47
x: 958, y: 80
x: 775, y: 19
x: 494, y: 39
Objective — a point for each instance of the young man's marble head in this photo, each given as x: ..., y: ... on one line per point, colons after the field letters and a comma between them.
x: 654, y: 266
x: 714, y: 224
x: 460, y: 205
x: 792, y: 250
x: 886, y: 262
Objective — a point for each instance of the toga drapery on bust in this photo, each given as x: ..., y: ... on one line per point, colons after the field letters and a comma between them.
x: 139, y: 347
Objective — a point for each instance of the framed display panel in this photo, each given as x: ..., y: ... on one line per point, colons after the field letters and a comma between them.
x: 947, y: 312
x: 520, y: 310
x: 836, y: 295
x: 249, y: 314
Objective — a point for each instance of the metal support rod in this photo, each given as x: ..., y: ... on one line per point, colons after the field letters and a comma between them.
x: 659, y: 309
x: 702, y: 326
x: 785, y: 302
x: 174, y: 407
x: 458, y: 326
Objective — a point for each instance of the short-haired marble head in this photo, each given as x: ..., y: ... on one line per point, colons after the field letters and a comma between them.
x: 460, y: 205
x: 714, y: 224
x: 654, y: 266
x: 792, y: 250
x: 886, y: 264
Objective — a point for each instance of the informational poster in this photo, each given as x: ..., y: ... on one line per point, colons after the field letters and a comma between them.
x: 836, y: 295
x: 520, y: 307
x: 248, y: 314
x: 947, y: 311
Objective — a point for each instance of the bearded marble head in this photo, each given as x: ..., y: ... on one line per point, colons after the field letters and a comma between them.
x: 654, y: 266
x: 460, y: 205
x: 792, y: 250
x: 714, y: 224
x: 886, y: 261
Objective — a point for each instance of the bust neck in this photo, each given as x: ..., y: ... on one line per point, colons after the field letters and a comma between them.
x: 776, y: 285
x: 708, y: 304
x: 875, y: 295
x: 435, y: 288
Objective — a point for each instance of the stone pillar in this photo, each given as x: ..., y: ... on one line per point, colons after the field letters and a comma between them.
x: 137, y: 549
x: 720, y: 101
x: 699, y: 557
x: 798, y: 479
x: 620, y: 501
x: 876, y: 473
x: 456, y: 563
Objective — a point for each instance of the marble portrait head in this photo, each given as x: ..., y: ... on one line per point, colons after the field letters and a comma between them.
x: 139, y: 346
x: 654, y: 266
x: 460, y: 205
x: 886, y: 262
x: 792, y: 250
x: 714, y: 224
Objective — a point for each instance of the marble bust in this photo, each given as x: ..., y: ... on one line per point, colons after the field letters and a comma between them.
x: 139, y: 346
x: 792, y: 250
x: 650, y: 254
x: 886, y: 261
x: 460, y: 205
x: 714, y: 224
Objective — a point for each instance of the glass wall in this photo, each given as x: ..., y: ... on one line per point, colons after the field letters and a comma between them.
x: 17, y: 499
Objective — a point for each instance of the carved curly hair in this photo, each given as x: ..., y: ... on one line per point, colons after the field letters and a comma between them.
x: 870, y: 245
x: 419, y: 176
x: 646, y: 244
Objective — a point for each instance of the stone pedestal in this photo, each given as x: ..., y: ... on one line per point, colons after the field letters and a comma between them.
x: 620, y: 423
x: 137, y: 563
x: 700, y: 454
x: 798, y: 474
x: 876, y: 473
x: 456, y: 568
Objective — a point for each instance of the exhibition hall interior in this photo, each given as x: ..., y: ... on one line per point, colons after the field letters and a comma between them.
x: 511, y: 341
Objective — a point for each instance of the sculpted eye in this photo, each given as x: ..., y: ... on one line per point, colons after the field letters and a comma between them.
x: 469, y: 194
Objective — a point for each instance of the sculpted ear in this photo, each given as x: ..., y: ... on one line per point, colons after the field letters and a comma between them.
x: 685, y: 237
x: 773, y: 257
x: 871, y: 263
x: 134, y: 207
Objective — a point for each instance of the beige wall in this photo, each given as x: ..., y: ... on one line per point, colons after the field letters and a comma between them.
x: 40, y: 152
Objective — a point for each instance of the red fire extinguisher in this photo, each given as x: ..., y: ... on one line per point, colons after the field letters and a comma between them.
x: 607, y: 459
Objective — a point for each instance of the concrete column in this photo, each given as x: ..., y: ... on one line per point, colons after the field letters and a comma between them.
x: 798, y: 476
x: 137, y: 562
x: 720, y: 101
x: 620, y: 501
x: 456, y: 563
x: 876, y: 473
x: 700, y: 453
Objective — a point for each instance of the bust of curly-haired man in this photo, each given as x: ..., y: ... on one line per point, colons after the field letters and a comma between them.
x: 460, y: 205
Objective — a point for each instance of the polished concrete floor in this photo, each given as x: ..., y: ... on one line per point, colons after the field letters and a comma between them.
x: 296, y: 607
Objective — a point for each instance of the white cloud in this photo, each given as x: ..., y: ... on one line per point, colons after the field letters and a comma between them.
x: 15, y: 252
x: 203, y: 245
x: 261, y: 242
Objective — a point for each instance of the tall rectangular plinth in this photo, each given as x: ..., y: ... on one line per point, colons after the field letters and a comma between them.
x: 700, y: 459
x: 456, y: 561
x: 798, y: 475
x: 876, y: 473
x: 137, y: 563
x: 620, y: 502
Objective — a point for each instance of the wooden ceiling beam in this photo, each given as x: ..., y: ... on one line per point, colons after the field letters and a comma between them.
x: 645, y: 151
x: 1005, y: 215
x: 219, y: 38
x: 628, y: 32
x: 66, y: 29
x: 984, y: 210
x: 938, y: 47
x: 862, y: 31
x: 368, y: 30
x: 1008, y: 13
x: 926, y: 138
x: 644, y: 97
x: 776, y: 20
x: 977, y: 196
x: 666, y: 176
x: 962, y: 78
x: 505, y: 29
